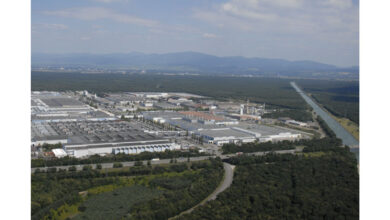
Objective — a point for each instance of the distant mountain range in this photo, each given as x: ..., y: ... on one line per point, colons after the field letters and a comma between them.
x: 192, y: 62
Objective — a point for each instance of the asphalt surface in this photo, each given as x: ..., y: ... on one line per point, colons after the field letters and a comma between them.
x: 227, y: 181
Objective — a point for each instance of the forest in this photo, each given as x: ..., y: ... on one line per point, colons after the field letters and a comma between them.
x: 321, y: 183
x: 273, y: 91
x: 257, y: 147
x: 341, y: 98
x: 113, y: 158
x: 145, y: 192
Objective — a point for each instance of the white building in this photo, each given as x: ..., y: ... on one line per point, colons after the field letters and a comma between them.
x: 222, y: 136
x: 135, y: 147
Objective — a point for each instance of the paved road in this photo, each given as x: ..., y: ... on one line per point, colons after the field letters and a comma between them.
x: 165, y: 161
x: 227, y: 181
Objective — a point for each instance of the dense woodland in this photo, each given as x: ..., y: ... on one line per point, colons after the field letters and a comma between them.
x: 340, y: 98
x: 322, y: 183
x: 257, y: 147
x: 145, y: 192
x: 273, y: 91
x: 113, y: 158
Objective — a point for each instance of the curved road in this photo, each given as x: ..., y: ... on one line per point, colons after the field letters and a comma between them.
x: 227, y: 181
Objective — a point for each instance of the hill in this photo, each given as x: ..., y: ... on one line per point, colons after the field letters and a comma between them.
x: 193, y: 62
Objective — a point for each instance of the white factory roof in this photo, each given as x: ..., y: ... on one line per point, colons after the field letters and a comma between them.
x: 59, y: 152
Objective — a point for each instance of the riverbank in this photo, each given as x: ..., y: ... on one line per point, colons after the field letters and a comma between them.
x: 339, y: 130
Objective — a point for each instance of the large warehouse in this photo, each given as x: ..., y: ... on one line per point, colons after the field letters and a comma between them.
x: 134, y: 147
x: 246, y: 134
x: 85, y: 138
x: 222, y: 136
x: 54, y: 106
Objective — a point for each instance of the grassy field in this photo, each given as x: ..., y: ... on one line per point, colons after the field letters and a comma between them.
x: 349, y: 125
x: 117, y: 203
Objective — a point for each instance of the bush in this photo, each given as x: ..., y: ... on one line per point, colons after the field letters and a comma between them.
x: 82, y: 208
x: 37, y: 171
x: 52, y: 170
x: 138, y: 163
x: 87, y: 167
x: 98, y: 166
x: 72, y: 169
x: 117, y: 165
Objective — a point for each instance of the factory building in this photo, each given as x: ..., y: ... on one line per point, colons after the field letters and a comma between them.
x: 224, y: 136
x: 287, y: 136
x: 238, y: 135
x: 134, y: 147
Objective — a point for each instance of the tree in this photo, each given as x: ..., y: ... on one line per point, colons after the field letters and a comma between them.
x: 117, y: 165
x: 52, y: 170
x: 82, y: 208
x: 87, y: 167
x: 98, y: 166
x: 138, y: 163
x: 149, y: 163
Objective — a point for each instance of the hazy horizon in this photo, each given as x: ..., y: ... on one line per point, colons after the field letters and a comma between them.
x: 322, y: 31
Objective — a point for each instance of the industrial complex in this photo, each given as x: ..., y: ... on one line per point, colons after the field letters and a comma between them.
x: 82, y: 124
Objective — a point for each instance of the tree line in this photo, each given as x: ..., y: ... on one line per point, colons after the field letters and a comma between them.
x: 257, y: 147
x: 64, y: 161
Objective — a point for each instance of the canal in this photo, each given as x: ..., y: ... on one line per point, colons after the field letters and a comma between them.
x: 340, y: 132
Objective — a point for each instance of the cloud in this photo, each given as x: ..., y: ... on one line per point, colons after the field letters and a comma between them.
x: 49, y: 26
x: 284, y: 16
x: 209, y: 35
x: 97, y: 13
x: 109, y: 1
x: 339, y: 3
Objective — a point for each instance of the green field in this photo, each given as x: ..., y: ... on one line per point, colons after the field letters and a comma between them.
x: 117, y: 203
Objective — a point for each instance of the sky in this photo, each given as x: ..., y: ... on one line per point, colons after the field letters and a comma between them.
x: 320, y: 30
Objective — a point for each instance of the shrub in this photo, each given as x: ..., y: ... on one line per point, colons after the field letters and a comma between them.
x: 117, y: 165
x: 138, y: 163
